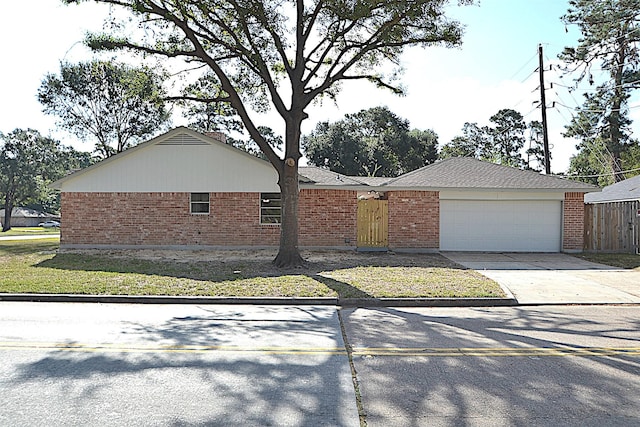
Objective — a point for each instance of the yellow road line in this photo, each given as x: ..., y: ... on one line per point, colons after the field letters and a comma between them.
x: 151, y: 348
x: 499, y: 352
x: 340, y: 351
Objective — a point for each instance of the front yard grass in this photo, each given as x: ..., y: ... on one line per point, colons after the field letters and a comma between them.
x: 35, y: 266
x: 627, y: 261
x: 29, y: 231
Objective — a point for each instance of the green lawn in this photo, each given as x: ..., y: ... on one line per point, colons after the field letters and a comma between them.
x: 29, y: 231
x: 34, y: 266
x: 629, y: 261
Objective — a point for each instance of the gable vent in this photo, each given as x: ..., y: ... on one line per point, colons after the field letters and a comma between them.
x: 183, y: 139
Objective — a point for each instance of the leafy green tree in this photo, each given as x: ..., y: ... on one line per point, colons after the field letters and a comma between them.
x: 372, y: 142
x: 535, y: 153
x: 335, y: 146
x: 587, y: 165
x: 28, y: 163
x: 422, y: 149
x: 501, y: 143
x: 289, y: 53
x: 610, y: 36
x: 631, y: 158
x: 474, y: 142
x: 507, y: 137
x: 203, y: 106
x: 250, y: 146
x: 594, y: 160
x: 116, y: 105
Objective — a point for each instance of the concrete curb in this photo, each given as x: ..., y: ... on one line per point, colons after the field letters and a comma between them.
x: 345, y: 302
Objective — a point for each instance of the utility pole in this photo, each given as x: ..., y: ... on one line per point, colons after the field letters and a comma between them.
x: 543, y: 106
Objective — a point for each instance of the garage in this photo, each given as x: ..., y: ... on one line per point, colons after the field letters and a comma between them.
x: 501, y: 225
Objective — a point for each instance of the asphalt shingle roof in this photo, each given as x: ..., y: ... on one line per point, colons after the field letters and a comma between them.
x: 321, y: 176
x: 629, y: 189
x: 469, y: 173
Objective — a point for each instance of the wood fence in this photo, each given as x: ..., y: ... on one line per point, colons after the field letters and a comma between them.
x: 373, y: 224
x: 612, y: 227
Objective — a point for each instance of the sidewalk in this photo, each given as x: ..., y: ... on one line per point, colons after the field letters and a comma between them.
x: 554, y: 278
x: 29, y: 237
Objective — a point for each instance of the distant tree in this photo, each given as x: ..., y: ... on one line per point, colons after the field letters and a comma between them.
x: 474, y: 142
x: 610, y: 38
x: 372, y: 142
x: 631, y: 158
x: 501, y: 143
x: 587, y: 164
x: 535, y: 153
x: 250, y: 146
x: 507, y: 137
x: 204, y: 108
x: 593, y: 161
x: 116, y: 105
x: 420, y: 150
x: 28, y: 163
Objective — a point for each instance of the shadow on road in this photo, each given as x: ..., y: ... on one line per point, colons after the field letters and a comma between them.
x: 239, y: 374
x: 495, y: 390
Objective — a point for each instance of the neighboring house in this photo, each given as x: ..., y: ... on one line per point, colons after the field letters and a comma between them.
x: 612, y: 218
x: 623, y: 191
x: 25, y: 217
x: 184, y: 189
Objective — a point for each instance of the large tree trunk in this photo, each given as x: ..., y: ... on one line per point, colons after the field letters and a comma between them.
x: 289, y: 254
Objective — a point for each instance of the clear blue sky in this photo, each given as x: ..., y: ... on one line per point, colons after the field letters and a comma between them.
x: 493, y: 69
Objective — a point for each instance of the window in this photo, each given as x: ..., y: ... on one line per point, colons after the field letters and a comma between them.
x: 270, y: 208
x: 199, y: 203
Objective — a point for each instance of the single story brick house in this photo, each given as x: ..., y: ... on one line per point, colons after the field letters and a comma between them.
x: 27, y: 217
x: 184, y: 189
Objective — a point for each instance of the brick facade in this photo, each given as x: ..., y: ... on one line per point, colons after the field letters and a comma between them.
x: 163, y: 219
x: 573, y: 222
x: 326, y: 218
x: 414, y: 219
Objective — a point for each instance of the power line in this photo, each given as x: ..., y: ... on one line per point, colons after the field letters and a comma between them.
x: 598, y: 175
x: 523, y: 67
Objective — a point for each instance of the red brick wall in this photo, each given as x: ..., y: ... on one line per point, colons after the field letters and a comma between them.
x: 414, y: 219
x: 327, y: 217
x: 163, y: 219
x: 573, y: 222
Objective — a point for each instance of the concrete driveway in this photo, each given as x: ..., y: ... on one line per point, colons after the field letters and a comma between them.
x: 544, y: 278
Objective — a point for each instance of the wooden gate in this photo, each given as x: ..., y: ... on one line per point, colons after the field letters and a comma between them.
x: 612, y: 227
x: 373, y: 224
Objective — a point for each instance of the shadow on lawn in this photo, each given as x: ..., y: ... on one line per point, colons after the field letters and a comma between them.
x: 250, y: 270
x: 222, y: 270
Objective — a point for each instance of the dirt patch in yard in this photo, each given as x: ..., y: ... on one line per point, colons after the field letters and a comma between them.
x: 314, y: 259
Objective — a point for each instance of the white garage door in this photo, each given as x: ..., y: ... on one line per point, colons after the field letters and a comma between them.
x: 500, y: 226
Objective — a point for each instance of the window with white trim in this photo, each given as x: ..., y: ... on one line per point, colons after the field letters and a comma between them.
x: 200, y: 203
x: 270, y: 208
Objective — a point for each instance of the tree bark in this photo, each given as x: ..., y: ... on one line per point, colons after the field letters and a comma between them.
x: 8, y: 208
x: 288, y: 253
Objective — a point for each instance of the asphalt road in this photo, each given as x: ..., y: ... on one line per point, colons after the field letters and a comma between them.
x: 177, y: 365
